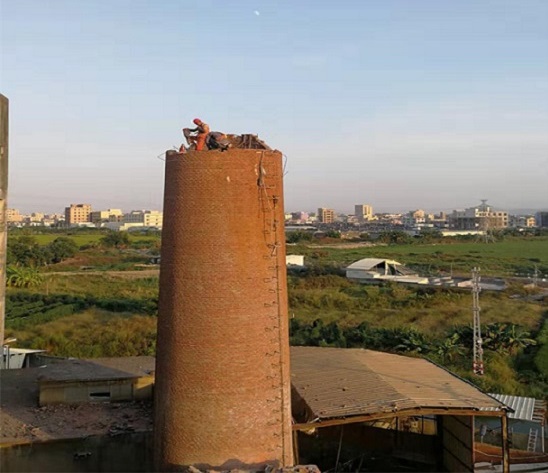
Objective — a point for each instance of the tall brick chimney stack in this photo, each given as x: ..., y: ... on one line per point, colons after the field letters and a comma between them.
x: 222, y: 394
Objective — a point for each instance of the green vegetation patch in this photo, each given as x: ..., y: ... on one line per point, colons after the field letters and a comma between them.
x: 501, y: 258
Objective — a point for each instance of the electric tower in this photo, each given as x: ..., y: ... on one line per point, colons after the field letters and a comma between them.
x: 477, y: 364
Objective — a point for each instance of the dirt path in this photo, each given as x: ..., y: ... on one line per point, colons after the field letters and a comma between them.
x: 145, y: 273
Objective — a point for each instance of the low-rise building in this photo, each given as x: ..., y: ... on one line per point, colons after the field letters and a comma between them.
x: 109, y: 215
x: 148, y: 218
x: 521, y: 221
x: 482, y: 217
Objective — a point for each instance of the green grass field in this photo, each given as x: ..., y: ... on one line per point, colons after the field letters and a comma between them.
x: 87, y: 238
x: 501, y: 258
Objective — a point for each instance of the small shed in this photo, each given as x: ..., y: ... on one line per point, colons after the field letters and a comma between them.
x: 15, y: 358
x: 342, y: 390
x: 378, y: 269
x: 99, y: 379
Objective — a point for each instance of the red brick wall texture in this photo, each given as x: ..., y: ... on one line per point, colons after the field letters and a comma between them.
x: 222, y: 394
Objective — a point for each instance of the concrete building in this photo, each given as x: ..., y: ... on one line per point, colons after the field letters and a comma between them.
x: 109, y: 215
x: 482, y: 217
x: 541, y: 219
x: 14, y: 216
x: 77, y: 213
x: 148, y: 218
x: 521, y: 221
x: 363, y: 212
x: 222, y: 392
x: 326, y: 215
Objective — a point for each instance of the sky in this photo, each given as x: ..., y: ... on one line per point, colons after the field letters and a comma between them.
x: 400, y: 104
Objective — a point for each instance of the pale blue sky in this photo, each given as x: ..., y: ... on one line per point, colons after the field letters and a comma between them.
x: 401, y: 104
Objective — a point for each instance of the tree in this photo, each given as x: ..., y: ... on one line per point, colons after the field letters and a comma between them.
x: 395, y: 238
x: 450, y: 348
x: 20, y: 276
x: 297, y: 236
x: 26, y: 251
x: 62, y: 248
x: 333, y: 234
x: 116, y: 239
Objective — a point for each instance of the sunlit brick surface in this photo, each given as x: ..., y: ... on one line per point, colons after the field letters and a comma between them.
x: 222, y: 395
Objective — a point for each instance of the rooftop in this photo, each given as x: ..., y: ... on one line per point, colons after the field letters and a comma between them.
x: 340, y: 382
x: 329, y: 384
x: 97, y: 369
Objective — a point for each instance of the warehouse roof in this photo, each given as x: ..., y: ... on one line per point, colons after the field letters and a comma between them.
x: 370, y: 263
x: 332, y: 383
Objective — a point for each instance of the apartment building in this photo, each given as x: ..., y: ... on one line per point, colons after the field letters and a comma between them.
x: 363, y: 212
x: 13, y: 216
x: 326, y: 215
x: 77, y: 213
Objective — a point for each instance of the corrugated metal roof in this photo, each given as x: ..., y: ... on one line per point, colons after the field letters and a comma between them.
x: 525, y: 408
x: 340, y: 382
x: 369, y: 263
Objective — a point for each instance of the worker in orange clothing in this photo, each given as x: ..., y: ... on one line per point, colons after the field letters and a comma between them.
x: 203, y: 130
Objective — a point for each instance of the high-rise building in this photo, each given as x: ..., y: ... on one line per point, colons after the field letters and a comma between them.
x: 77, y: 213
x: 363, y: 212
x: 326, y: 215
x: 541, y: 219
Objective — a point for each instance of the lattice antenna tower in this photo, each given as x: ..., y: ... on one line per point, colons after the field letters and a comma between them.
x: 477, y: 364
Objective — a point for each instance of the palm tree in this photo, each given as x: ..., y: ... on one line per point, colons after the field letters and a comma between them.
x: 23, y: 276
x: 449, y: 348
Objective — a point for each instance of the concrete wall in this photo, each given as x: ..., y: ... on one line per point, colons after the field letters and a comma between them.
x: 74, y: 392
x: 222, y: 366
x: 120, y: 453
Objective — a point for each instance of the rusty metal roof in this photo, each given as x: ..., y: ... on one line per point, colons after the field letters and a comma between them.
x: 341, y: 382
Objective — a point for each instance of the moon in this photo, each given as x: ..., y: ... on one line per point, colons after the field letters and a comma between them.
x: 257, y: 12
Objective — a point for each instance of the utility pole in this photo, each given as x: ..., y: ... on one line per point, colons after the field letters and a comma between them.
x: 535, y: 277
x: 477, y: 364
x: 4, y: 108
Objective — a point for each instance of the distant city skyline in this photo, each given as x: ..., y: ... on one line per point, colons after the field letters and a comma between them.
x: 433, y: 106
x: 314, y: 210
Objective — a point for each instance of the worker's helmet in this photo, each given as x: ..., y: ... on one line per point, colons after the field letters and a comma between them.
x: 197, y: 121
